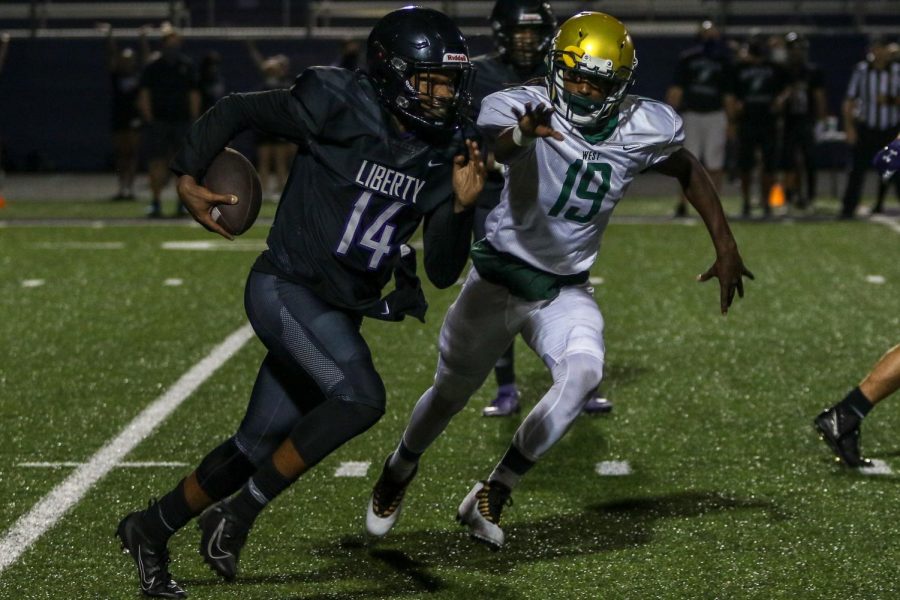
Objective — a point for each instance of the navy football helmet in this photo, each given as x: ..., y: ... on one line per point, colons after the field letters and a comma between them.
x: 409, y: 52
x: 512, y: 16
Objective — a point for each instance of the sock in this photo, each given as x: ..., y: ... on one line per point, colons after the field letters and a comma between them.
x: 857, y: 402
x: 505, y: 370
x: 511, y: 468
x: 265, y: 485
x: 167, y: 515
x: 402, y: 462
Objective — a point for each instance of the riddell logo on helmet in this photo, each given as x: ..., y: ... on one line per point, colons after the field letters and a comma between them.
x: 455, y: 58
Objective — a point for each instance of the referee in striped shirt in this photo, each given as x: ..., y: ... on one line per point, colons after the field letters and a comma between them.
x: 871, y: 115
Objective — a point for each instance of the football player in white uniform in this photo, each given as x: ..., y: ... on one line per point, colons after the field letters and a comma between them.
x: 572, y: 146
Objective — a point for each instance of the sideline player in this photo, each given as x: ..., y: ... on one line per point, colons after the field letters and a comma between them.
x: 839, y: 424
x: 378, y: 153
x: 569, y: 166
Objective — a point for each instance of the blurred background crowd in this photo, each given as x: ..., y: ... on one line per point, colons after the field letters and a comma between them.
x: 780, y: 98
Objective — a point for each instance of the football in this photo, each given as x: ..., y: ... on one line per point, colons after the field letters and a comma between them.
x: 231, y: 173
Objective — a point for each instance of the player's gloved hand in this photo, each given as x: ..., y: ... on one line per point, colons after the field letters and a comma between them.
x: 200, y: 201
x: 887, y: 160
x: 535, y: 122
x: 729, y: 269
x: 468, y: 177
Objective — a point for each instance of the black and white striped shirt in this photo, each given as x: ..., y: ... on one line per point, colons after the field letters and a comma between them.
x: 866, y: 85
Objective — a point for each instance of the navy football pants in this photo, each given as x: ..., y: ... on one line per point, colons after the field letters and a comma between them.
x: 317, y: 384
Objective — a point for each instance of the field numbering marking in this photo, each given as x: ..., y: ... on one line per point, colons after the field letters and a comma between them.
x: 613, y: 468
x: 352, y: 469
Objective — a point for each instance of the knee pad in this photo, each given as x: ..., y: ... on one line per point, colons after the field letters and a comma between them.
x: 224, y: 470
x: 582, y: 372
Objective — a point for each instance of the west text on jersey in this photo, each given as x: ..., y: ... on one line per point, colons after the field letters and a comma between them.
x: 388, y: 182
x: 591, y: 155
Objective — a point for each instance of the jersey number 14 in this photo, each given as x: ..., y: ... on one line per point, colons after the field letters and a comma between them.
x: 377, y: 236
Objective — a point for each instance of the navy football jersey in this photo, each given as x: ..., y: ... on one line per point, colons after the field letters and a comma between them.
x: 358, y: 188
x: 757, y: 85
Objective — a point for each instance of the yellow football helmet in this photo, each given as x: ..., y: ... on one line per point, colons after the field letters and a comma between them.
x: 597, y: 46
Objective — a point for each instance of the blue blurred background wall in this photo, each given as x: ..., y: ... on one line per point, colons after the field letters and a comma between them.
x: 54, y: 93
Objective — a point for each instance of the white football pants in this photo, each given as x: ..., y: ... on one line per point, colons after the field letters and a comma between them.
x: 566, y: 332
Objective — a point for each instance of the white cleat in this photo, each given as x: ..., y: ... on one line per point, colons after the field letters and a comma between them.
x: 385, y: 503
x: 480, y: 512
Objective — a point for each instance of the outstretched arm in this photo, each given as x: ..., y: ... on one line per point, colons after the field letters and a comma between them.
x: 255, y: 54
x: 728, y: 268
x: 533, y: 123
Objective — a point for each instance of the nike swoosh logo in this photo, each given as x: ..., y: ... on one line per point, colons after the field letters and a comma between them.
x: 145, y: 583
x: 216, y: 539
x: 630, y: 147
x: 387, y: 310
x: 431, y: 163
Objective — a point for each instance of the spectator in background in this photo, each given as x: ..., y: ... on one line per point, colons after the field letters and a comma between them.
x: 4, y: 48
x: 702, y: 82
x: 211, y: 83
x: 759, y: 94
x: 273, y: 154
x: 124, y: 68
x: 804, y: 107
x: 169, y: 101
x: 871, y: 112
x: 349, y: 55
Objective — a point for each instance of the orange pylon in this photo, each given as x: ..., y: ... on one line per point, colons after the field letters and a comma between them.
x: 776, y: 196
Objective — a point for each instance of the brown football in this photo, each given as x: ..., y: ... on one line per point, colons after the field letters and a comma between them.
x: 231, y: 173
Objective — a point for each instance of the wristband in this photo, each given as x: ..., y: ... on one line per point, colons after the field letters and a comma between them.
x: 520, y: 139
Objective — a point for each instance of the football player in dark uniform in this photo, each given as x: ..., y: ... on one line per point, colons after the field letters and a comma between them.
x: 378, y: 154
x: 522, y: 32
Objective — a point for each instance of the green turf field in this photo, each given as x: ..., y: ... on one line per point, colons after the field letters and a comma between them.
x: 730, y: 495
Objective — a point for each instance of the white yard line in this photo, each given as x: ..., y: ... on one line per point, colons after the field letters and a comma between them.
x: 879, y: 467
x: 64, y: 496
x: 123, y: 465
x: 891, y: 222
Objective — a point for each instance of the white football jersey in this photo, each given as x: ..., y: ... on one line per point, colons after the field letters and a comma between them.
x: 558, y: 196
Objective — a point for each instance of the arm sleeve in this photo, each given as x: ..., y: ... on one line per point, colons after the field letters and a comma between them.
x: 447, y: 239
x: 496, y: 112
x: 275, y: 112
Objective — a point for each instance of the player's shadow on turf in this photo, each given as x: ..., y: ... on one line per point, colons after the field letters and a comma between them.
x: 403, y: 563
x: 597, y: 529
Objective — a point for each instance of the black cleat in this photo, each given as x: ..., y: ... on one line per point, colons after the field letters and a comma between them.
x: 223, y: 535
x: 151, y: 558
x: 840, y: 430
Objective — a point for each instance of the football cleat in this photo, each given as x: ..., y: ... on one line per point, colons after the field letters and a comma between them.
x: 840, y: 430
x: 597, y: 406
x: 480, y: 512
x: 222, y: 537
x: 506, y: 403
x: 151, y: 558
x: 385, y: 503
